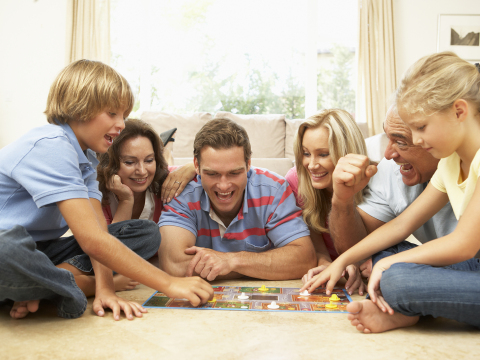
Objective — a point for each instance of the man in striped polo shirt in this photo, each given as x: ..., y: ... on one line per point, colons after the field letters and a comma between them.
x: 233, y: 220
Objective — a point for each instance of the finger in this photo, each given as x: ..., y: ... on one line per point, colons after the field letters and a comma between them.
x: 138, y: 309
x: 356, y: 285
x: 194, y: 299
x: 352, y: 277
x: 381, y: 303
x: 192, y: 265
x: 202, y: 264
x: 387, y: 306
x: 127, y: 309
x: 98, y: 308
x: 181, y: 187
x: 191, y: 250
x: 203, y: 295
x: 330, y: 286
x: 305, y: 278
x: 362, y: 288
x: 214, y: 272
x: 371, y: 170
x: 204, y: 269
x: 116, y: 310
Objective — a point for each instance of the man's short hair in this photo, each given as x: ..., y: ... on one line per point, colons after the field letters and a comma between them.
x: 222, y: 134
x: 84, y: 89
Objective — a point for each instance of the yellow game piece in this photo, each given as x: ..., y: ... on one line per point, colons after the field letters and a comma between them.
x: 331, y: 306
x: 263, y: 288
x: 213, y: 300
x: 334, y: 298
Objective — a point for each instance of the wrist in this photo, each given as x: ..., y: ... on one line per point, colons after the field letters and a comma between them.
x: 342, y: 202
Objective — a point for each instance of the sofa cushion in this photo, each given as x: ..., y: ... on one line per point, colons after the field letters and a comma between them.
x: 290, y: 134
x: 279, y: 166
x: 187, y: 127
x: 266, y: 133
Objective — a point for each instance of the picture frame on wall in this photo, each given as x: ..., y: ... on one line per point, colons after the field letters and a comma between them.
x: 460, y: 34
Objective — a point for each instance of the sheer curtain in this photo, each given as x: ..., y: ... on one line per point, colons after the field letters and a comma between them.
x: 376, y: 61
x: 90, y: 30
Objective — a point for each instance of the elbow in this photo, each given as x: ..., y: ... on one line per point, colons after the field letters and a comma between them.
x: 172, y: 268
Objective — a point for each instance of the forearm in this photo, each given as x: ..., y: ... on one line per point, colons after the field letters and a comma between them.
x: 124, y: 211
x: 288, y: 262
x: 345, y: 225
x: 321, y: 251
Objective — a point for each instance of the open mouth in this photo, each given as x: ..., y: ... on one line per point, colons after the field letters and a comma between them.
x: 139, y: 180
x: 405, y: 167
x: 224, y: 196
x: 109, y: 139
x: 318, y: 176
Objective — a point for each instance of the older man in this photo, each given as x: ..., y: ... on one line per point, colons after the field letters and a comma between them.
x: 233, y: 219
x: 401, y: 178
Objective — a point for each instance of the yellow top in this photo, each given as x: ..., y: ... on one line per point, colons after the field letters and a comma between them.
x: 448, y: 179
x: 334, y: 297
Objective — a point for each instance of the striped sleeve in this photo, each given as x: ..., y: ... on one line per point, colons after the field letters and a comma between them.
x: 178, y: 213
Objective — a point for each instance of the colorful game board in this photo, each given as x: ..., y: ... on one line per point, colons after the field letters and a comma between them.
x: 287, y: 299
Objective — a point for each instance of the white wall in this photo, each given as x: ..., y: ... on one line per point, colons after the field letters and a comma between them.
x: 33, y: 38
x: 416, y: 25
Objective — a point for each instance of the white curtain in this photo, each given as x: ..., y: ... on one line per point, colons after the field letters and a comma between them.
x: 376, y: 61
x: 90, y: 30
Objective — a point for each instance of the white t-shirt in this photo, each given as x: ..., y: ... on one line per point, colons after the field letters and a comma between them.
x: 148, y: 209
x: 386, y: 196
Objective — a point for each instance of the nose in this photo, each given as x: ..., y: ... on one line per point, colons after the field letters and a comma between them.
x: 120, y: 123
x: 223, y: 183
x: 313, y: 163
x: 140, y: 168
x: 390, y: 152
x: 417, y: 140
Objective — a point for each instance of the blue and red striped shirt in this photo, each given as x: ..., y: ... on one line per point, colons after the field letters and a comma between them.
x: 268, y: 218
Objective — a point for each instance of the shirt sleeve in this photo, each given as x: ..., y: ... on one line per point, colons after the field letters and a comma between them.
x: 292, y: 178
x: 437, y: 180
x: 178, y: 213
x: 285, y: 223
x: 56, y: 177
x: 375, y: 202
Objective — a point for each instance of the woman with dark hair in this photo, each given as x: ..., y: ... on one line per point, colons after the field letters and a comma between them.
x: 132, y: 172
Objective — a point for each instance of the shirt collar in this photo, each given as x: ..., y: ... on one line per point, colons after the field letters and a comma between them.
x: 89, y: 157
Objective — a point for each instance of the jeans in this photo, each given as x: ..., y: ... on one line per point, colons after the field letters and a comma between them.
x: 28, y: 271
x: 417, y: 290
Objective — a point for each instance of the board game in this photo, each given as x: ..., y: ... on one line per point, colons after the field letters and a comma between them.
x: 260, y: 299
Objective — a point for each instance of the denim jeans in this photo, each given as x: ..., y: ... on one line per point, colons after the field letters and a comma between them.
x: 416, y: 289
x: 28, y: 271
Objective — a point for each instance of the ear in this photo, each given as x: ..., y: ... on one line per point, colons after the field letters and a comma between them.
x: 460, y: 107
x: 248, y: 165
x: 197, y: 165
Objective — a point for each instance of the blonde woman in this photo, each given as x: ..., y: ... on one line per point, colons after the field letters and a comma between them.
x: 321, y: 141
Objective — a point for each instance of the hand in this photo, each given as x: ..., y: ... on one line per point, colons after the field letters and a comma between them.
x: 176, y: 182
x: 208, y: 263
x: 330, y: 276
x: 352, y: 173
x: 108, y: 299
x: 354, y: 280
x: 366, y: 268
x: 312, y: 272
x: 122, y: 191
x: 194, y: 289
x: 374, y: 286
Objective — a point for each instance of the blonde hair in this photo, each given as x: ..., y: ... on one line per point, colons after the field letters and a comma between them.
x: 433, y: 83
x: 84, y: 89
x: 344, y: 138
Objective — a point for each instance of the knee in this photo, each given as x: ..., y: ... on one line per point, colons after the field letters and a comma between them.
x: 15, y: 244
x: 398, y: 281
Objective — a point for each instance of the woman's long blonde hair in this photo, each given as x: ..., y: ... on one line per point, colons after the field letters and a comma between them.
x: 344, y: 138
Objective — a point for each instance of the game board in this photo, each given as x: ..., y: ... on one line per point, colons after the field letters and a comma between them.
x: 287, y: 299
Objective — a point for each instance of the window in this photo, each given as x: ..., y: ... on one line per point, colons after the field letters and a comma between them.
x: 269, y: 56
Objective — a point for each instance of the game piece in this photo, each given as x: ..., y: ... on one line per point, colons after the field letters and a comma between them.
x: 305, y: 293
x: 331, y: 306
x: 287, y: 299
x: 334, y: 298
x: 273, y: 305
x: 243, y: 296
x: 263, y: 288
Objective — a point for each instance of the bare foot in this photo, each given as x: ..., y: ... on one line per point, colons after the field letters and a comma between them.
x: 20, y: 309
x: 368, y: 318
x: 124, y: 283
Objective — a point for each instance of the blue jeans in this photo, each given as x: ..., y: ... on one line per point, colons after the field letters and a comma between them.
x: 28, y: 271
x: 417, y: 290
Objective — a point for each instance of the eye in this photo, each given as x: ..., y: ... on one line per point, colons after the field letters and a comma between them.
x: 400, y: 144
x: 128, y: 163
x: 421, y: 128
x: 113, y: 114
x: 149, y: 161
x: 325, y: 155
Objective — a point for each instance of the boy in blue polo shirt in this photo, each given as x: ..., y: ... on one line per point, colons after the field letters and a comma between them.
x: 48, y: 184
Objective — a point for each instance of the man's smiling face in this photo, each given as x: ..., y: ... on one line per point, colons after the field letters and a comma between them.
x: 224, y: 178
x: 416, y: 165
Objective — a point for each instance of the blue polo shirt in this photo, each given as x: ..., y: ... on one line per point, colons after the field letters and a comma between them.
x: 268, y: 218
x: 44, y: 166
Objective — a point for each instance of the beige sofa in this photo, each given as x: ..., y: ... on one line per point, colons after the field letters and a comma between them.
x: 271, y: 136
